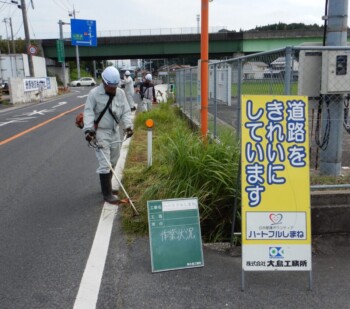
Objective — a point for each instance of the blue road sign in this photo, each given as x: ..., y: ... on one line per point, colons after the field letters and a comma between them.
x: 83, y: 32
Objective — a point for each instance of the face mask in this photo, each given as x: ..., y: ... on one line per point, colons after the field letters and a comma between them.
x: 110, y: 90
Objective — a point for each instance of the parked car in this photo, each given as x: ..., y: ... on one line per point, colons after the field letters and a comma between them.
x: 5, y: 88
x: 84, y: 81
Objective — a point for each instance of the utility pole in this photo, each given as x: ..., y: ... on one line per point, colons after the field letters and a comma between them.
x: 8, y: 46
x: 14, y: 73
x: 331, y: 157
x: 61, y: 23
x: 7, y: 36
x: 12, y: 39
x: 198, y: 19
x: 76, y: 48
x: 27, y: 37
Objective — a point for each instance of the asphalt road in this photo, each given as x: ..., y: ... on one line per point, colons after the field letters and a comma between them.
x: 218, y: 283
x: 50, y: 203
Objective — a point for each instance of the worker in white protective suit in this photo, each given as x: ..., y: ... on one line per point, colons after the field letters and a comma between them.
x: 147, y: 93
x: 129, y: 90
x: 106, y: 107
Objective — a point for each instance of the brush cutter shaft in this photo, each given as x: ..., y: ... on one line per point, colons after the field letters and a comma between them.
x: 121, y: 185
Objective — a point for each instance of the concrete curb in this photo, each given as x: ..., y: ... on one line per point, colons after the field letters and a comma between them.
x: 330, y: 212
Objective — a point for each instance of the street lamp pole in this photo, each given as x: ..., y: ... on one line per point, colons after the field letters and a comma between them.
x: 76, y: 49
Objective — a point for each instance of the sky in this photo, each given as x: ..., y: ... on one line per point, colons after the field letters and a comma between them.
x: 113, y: 16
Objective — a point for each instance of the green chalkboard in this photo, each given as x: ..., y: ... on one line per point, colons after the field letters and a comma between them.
x: 175, y: 234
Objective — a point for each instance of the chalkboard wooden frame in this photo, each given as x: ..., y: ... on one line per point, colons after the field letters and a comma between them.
x: 174, y: 234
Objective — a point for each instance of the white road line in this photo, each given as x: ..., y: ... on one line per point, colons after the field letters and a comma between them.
x: 91, y: 281
x: 122, y: 158
x: 120, y: 164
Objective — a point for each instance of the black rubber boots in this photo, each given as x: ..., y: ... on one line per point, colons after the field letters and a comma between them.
x: 106, y: 187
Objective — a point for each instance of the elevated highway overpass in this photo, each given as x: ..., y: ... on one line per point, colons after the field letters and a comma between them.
x: 221, y: 44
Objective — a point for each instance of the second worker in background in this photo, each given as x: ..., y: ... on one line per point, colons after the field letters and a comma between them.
x: 129, y: 90
x: 147, y: 93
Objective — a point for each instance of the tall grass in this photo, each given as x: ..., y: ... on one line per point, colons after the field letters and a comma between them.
x: 185, y: 166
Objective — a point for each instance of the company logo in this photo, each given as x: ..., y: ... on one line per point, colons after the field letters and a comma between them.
x: 276, y: 252
x: 276, y: 218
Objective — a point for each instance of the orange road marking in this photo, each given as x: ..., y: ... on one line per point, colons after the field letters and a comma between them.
x: 38, y: 126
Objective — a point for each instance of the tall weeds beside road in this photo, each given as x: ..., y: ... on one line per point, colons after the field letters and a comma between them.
x: 183, y: 166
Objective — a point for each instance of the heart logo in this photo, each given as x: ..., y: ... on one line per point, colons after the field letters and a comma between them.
x: 276, y: 218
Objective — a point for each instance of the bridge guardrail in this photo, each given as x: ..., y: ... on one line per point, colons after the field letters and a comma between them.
x: 142, y: 32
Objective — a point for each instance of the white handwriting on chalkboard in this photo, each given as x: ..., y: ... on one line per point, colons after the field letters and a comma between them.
x: 177, y: 234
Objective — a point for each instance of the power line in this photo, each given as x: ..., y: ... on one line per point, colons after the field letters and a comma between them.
x: 8, y: 10
x: 69, y: 3
x: 12, y: 2
x: 2, y: 5
x: 32, y: 28
x: 19, y: 29
x: 61, y: 5
x: 9, y: 6
x: 73, y: 13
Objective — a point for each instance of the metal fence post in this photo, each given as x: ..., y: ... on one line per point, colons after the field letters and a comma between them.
x: 288, y: 70
x: 229, y: 84
x: 191, y: 94
x: 178, y: 87
x: 239, y: 93
x: 179, y: 90
x: 184, y: 89
x: 215, y: 103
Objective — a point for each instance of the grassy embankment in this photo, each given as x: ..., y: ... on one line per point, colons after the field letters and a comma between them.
x: 183, y: 166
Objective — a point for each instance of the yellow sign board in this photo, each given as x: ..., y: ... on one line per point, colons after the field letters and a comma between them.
x: 276, y: 228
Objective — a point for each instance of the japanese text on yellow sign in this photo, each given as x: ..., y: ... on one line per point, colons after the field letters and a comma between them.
x: 275, y: 169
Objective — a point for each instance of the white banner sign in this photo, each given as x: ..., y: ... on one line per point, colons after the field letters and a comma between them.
x: 35, y: 84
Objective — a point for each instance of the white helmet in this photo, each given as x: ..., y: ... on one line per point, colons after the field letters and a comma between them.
x: 148, y: 77
x: 111, y: 76
x: 127, y: 73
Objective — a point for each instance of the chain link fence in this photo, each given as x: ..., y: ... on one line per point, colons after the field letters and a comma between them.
x: 320, y: 73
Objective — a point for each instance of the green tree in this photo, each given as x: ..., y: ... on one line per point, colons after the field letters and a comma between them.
x: 284, y: 26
